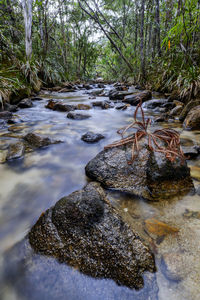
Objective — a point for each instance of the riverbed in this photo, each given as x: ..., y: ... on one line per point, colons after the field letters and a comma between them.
x: 35, y: 182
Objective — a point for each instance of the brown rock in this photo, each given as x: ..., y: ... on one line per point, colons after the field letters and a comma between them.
x: 187, y: 108
x: 176, y: 111
x: 192, y: 120
x: 136, y: 98
x: 84, y: 231
x: 60, y: 106
x: 159, y: 228
x: 15, y: 150
x: 81, y: 106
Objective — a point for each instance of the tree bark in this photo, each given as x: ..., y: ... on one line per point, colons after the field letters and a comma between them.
x: 158, y: 27
x: 142, y: 58
x: 27, y: 10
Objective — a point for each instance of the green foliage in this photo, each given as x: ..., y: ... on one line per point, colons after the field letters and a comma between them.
x: 69, y: 44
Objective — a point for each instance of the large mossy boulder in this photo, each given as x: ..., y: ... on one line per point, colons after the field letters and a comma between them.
x: 192, y: 121
x: 190, y: 105
x: 150, y: 175
x: 84, y: 231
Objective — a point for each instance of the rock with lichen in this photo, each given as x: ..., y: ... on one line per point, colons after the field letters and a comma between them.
x: 84, y: 231
x: 150, y: 175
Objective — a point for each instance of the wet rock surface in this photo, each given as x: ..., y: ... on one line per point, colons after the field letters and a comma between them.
x: 192, y: 121
x: 59, y: 106
x: 15, y: 150
x: 38, y: 141
x: 176, y: 111
x: 81, y: 106
x: 25, y: 103
x: 150, y: 175
x: 83, y: 230
x: 162, y: 118
x: 5, y: 115
x: 91, y: 137
x: 103, y: 104
x: 151, y: 104
x: 10, y: 107
x: 190, y: 152
x: 121, y: 106
x: 174, y: 266
x: 190, y: 105
x: 43, y: 277
x: 136, y: 98
x: 117, y: 95
x: 77, y: 116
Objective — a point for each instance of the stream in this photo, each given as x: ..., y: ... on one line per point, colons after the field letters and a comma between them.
x: 32, y: 184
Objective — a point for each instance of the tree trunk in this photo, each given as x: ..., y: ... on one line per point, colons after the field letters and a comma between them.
x: 63, y: 35
x: 158, y: 27
x: 142, y: 59
x: 27, y: 10
x: 136, y: 26
x: 95, y: 17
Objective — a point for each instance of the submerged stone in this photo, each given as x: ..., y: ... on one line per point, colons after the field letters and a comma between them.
x: 159, y: 228
x: 59, y: 106
x: 84, y: 231
x: 103, y: 104
x: 38, y: 141
x: 81, y: 106
x: 77, y: 116
x: 175, y: 265
x: 5, y: 115
x: 150, y: 175
x: 15, y: 150
x: 25, y: 103
x: 91, y: 137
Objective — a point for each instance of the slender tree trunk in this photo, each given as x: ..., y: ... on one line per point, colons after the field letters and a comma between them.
x: 27, y: 10
x: 142, y: 58
x: 150, y: 46
x: 158, y: 27
x: 63, y: 35
x: 41, y: 26
x: 136, y: 26
x: 96, y: 19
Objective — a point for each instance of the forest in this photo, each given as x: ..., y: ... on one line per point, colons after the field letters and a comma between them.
x: 153, y: 43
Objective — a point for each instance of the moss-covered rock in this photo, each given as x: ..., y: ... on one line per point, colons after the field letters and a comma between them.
x: 150, y: 175
x: 84, y: 231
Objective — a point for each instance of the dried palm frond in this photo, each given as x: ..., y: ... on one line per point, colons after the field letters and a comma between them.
x: 166, y: 141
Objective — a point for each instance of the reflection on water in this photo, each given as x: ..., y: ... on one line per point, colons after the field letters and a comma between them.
x: 30, y: 185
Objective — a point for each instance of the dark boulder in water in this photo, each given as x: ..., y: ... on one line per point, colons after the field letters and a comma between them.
x: 91, y: 137
x: 59, y: 106
x: 37, y: 141
x: 77, y: 116
x: 25, y: 103
x: 150, y: 175
x: 84, y: 231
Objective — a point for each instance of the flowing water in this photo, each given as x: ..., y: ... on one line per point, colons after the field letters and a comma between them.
x: 30, y: 185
